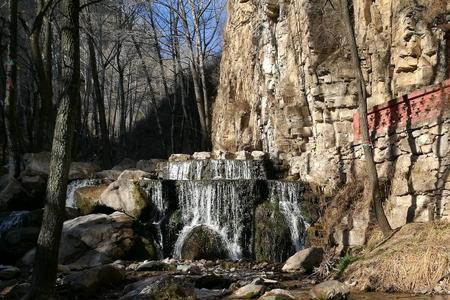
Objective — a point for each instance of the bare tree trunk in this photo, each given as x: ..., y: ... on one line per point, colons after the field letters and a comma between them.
x: 44, y: 274
x: 11, y: 93
x: 47, y: 112
x: 201, y: 66
x: 367, y: 145
x: 106, y: 147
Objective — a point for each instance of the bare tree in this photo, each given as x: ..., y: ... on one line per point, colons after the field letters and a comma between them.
x: 46, y: 261
x: 12, y: 127
x: 367, y: 145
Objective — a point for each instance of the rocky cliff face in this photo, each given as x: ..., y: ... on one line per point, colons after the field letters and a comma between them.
x: 287, y: 85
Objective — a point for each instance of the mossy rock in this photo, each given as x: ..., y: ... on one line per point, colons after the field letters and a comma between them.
x: 272, y: 235
x: 87, y: 198
x: 203, y: 243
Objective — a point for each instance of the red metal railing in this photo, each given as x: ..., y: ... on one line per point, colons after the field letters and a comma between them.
x: 421, y: 105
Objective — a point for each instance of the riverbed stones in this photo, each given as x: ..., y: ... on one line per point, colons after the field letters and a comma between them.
x: 277, y: 294
x: 304, y: 260
x: 159, y: 287
x: 329, y: 290
x: 249, y: 291
x: 88, y: 282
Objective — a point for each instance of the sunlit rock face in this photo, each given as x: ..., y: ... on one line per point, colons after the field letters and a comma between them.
x: 287, y: 84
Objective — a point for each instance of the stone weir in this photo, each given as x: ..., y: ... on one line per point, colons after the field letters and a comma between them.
x: 213, y: 209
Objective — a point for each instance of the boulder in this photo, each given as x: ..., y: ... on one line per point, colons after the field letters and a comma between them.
x: 150, y: 165
x: 125, y: 164
x: 259, y: 155
x: 221, y: 154
x: 124, y: 194
x: 201, y: 155
x: 304, y: 260
x: 272, y: 234
x: 8, y: 272
x: 88, y: 282
x: 153, y: 265
x: 96, y: 239
x: 19, y: 231
x: 249, y: 291
x: 243, y: 155
x: 329, y: 290
x: 36, y: 163
x: 159, y: 287
x: 203, y: 243
x: 87, y: 198
x: 111, y: 175
x: 180, y: 157
x: 82, y: 170
x: 277, y: 294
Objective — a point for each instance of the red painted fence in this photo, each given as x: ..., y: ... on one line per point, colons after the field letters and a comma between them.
x: 426, y: 104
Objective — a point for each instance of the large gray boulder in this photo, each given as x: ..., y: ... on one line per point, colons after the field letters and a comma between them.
x: 96, y: 239
x: 124, y: 194
x: 304, y: 260
x: 329, y: 290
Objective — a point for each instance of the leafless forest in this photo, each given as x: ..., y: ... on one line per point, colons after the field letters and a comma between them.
x: 148, y: 77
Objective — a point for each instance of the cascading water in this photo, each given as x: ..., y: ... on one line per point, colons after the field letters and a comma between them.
x: 215, y: 169
x: 186, y: 170
x: 73, y: 186
x: 157, y: 193
x: 224, y: 206
x: 287, y: 194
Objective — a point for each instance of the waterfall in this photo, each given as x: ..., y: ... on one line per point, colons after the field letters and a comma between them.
x: 215, y: 169
x: 156, y: 192
x: 73, y: 186
x: 287, y: 194
x: 225, y: 206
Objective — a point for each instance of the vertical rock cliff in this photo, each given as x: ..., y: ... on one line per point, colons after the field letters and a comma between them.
x: 286, y: 83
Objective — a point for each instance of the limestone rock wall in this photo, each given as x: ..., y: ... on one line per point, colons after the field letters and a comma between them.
x: 287, y: 86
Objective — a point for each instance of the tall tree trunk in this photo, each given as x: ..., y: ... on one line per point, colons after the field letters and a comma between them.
x: 46, y: 261
x: 201, y: 66
x: 106, y: 147
x: 11, y: 93
x: 47, y: 111
x: 366, y: 143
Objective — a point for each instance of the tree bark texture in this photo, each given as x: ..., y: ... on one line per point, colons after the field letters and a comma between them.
x: 46, y: 260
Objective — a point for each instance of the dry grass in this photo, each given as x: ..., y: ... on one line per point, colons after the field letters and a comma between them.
x: 415, y: 259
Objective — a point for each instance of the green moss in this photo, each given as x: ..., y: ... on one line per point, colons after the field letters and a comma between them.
x: 272, y: 235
